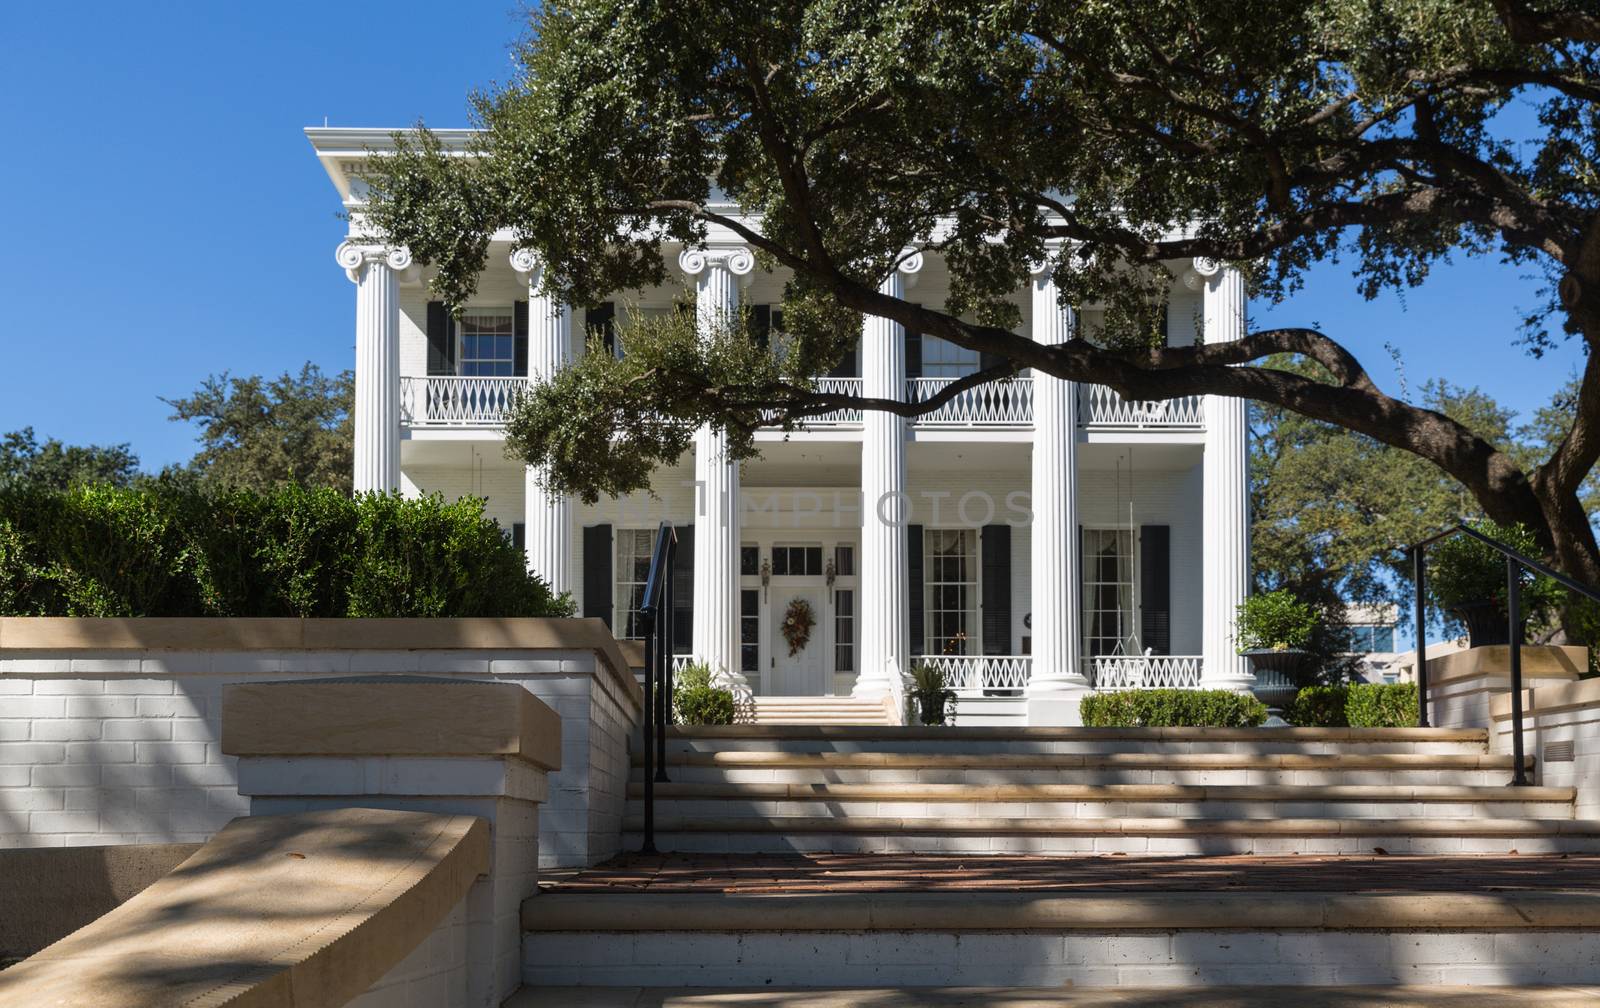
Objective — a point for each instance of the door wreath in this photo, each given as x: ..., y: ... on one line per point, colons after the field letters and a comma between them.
x: 798, y: 620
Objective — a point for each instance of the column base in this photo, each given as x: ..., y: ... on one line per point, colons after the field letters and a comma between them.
x: 1058, y: 708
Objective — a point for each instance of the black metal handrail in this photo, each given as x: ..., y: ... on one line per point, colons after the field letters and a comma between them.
x: 655, y: 620
x: 1515, y: 560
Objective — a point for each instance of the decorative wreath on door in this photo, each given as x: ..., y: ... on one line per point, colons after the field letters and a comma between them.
x: 798, y: 621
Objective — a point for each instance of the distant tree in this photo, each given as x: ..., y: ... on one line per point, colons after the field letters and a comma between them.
x: 57, y: 465
x: 257, y: 433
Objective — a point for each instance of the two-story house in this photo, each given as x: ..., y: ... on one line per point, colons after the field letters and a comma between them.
x: 1037, y: 538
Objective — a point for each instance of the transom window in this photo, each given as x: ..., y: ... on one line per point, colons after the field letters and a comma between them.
x: 796, y: 560
x: 1108, y: 612
x: 488, y: 342
x: 950, y: 578
x: 943, y: 359
x: 633, y: 570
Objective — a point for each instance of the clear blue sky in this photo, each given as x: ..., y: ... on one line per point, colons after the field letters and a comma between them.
x: 164, y: 219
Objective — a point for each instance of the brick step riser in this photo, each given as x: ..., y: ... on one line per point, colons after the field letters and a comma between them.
x: 1079, y: 775
x: 727, y: 842
x: 925, y: 747
x: 945, y: 811
x: 769, y: 960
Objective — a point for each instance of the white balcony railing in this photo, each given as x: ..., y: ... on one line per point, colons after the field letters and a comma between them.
x: 1099, y: 406
x: 1125, y: 672
x: 839, y: 417
x: 980, y: 675
x: 454, y: 401
x: 994, y: 404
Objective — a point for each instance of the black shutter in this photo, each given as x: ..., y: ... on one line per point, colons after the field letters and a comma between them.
x: 761, y: 325
x: 597, y: 585
x: 601, y: 321
x: 441, y: 340
x: 1155, y: 587
x: 914, y: 576
x: 519, y: 535
x: 913, y: 354
x: 519, y: 338
x: 995, y: 545
x: 683, y: 592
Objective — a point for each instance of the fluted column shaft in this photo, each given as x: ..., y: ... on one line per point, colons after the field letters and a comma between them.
x: 377, y: 395
x: 547, y: 517
x: 886, y: 647
x: 717, y: 274
x: 1056, y: 581
x: 1226, y: 516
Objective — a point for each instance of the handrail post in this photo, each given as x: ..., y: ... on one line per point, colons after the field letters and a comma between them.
x: 649, y: 845
x: 1519, y: 776
x: 1419, y: 574
x: 664, y: 690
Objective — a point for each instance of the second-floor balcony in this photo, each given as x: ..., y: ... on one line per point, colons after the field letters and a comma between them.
x: 459, y: 401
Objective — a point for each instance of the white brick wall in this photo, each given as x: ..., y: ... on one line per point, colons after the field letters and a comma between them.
x: 124, y: 747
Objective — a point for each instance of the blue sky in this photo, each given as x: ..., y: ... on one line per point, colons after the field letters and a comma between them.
x: 165, y: 219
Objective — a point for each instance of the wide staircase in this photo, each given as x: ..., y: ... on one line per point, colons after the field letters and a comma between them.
x: 770, y: 788
x: 819, y: 710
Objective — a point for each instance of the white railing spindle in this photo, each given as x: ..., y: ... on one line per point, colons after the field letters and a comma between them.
x: 1124, y: 672
x: 975, y: 675
x: 993, y: 404
x: 1099, y: 406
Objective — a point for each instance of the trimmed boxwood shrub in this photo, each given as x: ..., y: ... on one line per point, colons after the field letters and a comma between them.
x: 1319, y: 707
x: 1172, y: 708
x: 171, y: 550
x: 1360, y: 705
x: 696, y: 702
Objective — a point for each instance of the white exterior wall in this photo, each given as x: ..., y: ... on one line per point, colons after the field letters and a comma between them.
x: 123, y: 747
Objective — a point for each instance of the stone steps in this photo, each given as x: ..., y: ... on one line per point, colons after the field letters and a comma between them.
x: 1046, y: 997
x: 818, y: 711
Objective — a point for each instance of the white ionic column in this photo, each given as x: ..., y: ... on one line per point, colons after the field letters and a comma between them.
x: 1226, y: 505
x: 377, y: 399
x: 547, y: 517
x: 1056, y: 684
x: 886, y: 646
x: 717, y: 274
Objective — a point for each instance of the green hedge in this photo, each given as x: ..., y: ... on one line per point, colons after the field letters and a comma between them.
x: 696, y: 702
x: 167, y: 550
x: 1361, y: 705
x: 1172, y: 708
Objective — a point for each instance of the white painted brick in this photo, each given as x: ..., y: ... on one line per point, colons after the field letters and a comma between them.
x: 176, y: 664
x: 68, y: 687
x: 36, y: 707
x: 105, y: 666
x: 138, y: 729
x: 170, y: 752
x: 66, y: 730
x: 15, y: 731
x: 100, y: 752
x: 63, y: 822
x: 174, y: 706
x: 58, y: 775
x: 30, y: 753
x: 192, y: 730
x: 35, y: 666
x: 140, y: 687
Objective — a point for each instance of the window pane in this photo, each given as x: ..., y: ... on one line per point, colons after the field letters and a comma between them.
x: 749, y: 560
x: 844, y: 560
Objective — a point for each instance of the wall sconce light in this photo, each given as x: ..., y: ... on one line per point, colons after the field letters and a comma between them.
x: 766, y: 577
x: 830, y: 572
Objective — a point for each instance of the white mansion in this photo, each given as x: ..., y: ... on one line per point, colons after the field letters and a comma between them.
x: 1035, y: 537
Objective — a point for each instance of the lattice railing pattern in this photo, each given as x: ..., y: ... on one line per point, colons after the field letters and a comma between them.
x: 451, y: 400
x: 974, y: 675
x: 1099, y: 406
x: 1124, y: 672
x: 839, y: 417
x: 1000, y: 404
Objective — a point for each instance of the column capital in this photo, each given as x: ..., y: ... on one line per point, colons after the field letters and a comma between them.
x: 528, y: 264
x: 1200, y: 270
x: 355, y: 258
x: 736, y: 259
x: 910, y: 262
x: 1046, y: 264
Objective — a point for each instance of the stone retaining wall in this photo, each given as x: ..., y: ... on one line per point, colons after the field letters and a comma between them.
x: 109, y: 729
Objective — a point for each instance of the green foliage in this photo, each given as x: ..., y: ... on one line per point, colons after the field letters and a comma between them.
x: 1275, y: 621
x: 928, y: 678
x: 1358, y: 705
x: 696, y: 702
x: 1463, y: 571
x: 930, y: 694
x: 1172, y: 708
x: 258, y: 433
x: 174, y: 550
x: 1382, y: 705
x: 1319, y: 707
x: 695, y: 675
x: 56, y: 466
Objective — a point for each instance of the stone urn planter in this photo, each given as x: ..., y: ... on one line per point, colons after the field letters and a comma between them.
x: 932, y: 706
x: 1277, y: 672
x: 1485, y: 623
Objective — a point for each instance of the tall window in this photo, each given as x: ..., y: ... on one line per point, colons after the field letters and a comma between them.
x: 633, y: 570
x: 844, y: 631
x: 951, y: 586
x: 1108, y: 614
x: 487, y: 342
x: 749, y: 630
x: 943, y: 359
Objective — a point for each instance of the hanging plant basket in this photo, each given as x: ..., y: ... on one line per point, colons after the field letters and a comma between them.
x: 798, y: 621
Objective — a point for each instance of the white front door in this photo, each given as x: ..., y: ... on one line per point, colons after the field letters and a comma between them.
x: 803, y: 673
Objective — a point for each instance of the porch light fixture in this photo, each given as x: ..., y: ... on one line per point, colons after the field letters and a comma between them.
x: 830, y: 572
x: 766, y: 577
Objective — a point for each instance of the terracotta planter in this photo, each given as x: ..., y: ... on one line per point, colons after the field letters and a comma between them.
x: 1485, y: 623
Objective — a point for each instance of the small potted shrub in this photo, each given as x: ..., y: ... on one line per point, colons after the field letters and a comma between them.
x: 696, y: 702
x: 931, y: 691
x: 1468, y: 580
x: 1273, y: 631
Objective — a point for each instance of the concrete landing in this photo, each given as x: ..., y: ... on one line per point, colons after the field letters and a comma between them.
x: 304, y: 910
x: 1125, y: 997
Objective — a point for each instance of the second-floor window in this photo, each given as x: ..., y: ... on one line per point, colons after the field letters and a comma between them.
x: 488, y: 342
x: 943, y: 359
